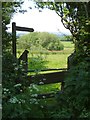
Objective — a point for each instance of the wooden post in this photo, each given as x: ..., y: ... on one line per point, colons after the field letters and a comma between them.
x: 26, y: 60
x: 14, y: 38
x: 62, y: 85
x: 24, y: 57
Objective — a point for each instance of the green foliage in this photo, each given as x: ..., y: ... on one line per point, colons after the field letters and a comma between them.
x: 18, y: 101
x: 66, y: 38
x: 40, y: 41
x: 9, y: 63
x: 22, y: 105
x: 37, y: 63
x: 8, y: 9
x: 74, y: 100
x: 76, y: 18
x: 11, y: 72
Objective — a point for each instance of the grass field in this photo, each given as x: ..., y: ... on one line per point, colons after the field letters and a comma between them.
x: 58, y: 59
x: 54, y: 59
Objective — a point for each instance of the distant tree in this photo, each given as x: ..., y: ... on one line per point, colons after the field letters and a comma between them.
x: 40, y: 40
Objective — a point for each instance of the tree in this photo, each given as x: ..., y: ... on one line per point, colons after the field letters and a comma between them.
x: 75, y: 17
x: 74, y: 100
x: 8, y: 9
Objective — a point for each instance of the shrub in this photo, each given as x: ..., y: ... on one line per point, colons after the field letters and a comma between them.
x: 74, y: 100
x: 37, y: 62
x: 55, y: 46
x: 18, y: 99
x: 23, y: 105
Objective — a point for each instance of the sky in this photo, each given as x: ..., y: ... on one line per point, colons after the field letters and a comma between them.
x: 45, y: 21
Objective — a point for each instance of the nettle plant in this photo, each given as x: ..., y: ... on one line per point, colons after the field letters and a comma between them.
x: 16, y: 99
x: 23, y: 105
x: 74, y: 100
x: 19, y: 101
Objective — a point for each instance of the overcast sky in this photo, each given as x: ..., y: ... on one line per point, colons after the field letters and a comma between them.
x: 45, y: 21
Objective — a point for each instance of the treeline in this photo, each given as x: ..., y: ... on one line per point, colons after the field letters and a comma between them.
x: 40, y: 40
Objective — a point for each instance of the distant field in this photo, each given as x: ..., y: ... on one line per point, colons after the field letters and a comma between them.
x: 55, y: 59
x: 68, y: 44
x: 59, y: 60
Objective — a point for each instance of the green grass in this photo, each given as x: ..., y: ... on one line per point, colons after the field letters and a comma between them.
x: 58, y: 59
x: 49, y: 88
x: 68, y: 44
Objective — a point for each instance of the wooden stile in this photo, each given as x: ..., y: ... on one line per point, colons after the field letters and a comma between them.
x: 47, y: 78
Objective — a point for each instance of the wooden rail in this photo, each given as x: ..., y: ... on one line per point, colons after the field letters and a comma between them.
x: 47, y: 78
x: 53, y: 69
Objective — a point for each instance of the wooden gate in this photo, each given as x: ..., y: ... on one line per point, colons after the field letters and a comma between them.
x: 48, y: 78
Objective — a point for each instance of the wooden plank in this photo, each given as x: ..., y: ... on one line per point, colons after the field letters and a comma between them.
x: 48, y: 78
x: 49, y: 69
x: 18, y: 28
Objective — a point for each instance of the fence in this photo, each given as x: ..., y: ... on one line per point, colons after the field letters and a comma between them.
x: 46, y: 78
